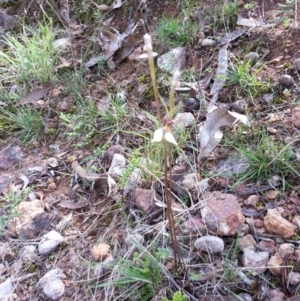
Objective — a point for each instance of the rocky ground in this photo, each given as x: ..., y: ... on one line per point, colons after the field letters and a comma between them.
x: 82, y: 206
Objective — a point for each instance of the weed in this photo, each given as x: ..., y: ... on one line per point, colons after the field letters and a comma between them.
x: 174, y: 33
x: 87, y: 121
x: 9, y: 203
x: 177, y: 296
x: 31, y: 57
x: 26, y: 123
x: 249, y: 6
x: 240, y: 74
x: 229, y: 14
x: 139, y: 277
x: 265, y: 157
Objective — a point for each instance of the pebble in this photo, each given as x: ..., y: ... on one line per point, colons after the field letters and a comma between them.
x: 209, y: 244
x: 100, y: 252
x: 208, y: 42
x: 272, y: 195
x: 296, y: 117
x: 294, y: 278
x: 117, y: 166
x: 274, y: 264
x: 297, y: 64
x: 173, y: 60
x: 191, y: 104
x: 286, y: 80
x: 49, y: 242
x: 52, y: 285
x: 190, y: 181
x: 251, y: 58
x: 276, y: 224
x: 255, y: 261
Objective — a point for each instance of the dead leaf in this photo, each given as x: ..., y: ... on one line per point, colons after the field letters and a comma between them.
x: 103, y: 7
x: 251, y: 22
x: 221, y: 74
x: 91, y: 176
x: 35, y: 94
x: 73, y: 205
x: 214, y: 120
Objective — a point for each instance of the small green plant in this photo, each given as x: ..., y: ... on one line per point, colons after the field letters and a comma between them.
x: 177, y: 296
x: 9, y: 203
x: 29, y: 57
x: 26, y: 123
x: 138, y: 277
x: 265, y: 157
x: 241, y: 75
x: 87, y: 121
x: 249, y: 6
x: 174, y: 33
x: 229, y: 13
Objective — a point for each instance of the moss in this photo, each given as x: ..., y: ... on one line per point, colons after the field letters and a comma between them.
x: 142, y: 78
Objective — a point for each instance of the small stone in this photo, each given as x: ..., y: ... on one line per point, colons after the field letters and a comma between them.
x: 56, y: 92
x: 286, y: 80
x: 100, y: 252
x: 274, y: 264
x: 286, y: 249
x: 191, y: 104
x: 101, y: 268
x: 52, y: 285
x: 190, y: 181
x: 245, y: 296
x: 276, y: 295
x: 10, y: 156
x: 49, y: 242
x: 6, y: 289
x: 294, y: 278
x: 251, y: 58
x: 32, y: 230
x: 52, y: 162
x: 272, y: 195
x: 297, y: 64
x: 296, y: 117
x: 255, y: 261
x: 252, y: 200
x: 258, y: 223
x: 117, y: 166
x: 192, y: 225
x: 209, y: 244
x: 173, y: 60
x: 183, y: 120
x: 28, y: 253
x: 269, y: 246
x: 51, y: 186
x: 276, y: 224
x: 247, y: 242
x: 26, y: 212
x: 222, y: 213
x: 144, y: 200
x: 63, y: 106
x: 208, y: 42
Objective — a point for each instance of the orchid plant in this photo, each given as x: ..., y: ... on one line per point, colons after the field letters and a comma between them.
x: 164, y: 135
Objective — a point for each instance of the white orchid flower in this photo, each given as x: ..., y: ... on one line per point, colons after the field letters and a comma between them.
x: 164, y: 133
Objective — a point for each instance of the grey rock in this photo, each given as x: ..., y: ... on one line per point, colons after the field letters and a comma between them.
x: 297, y: 64
x: 209, y: 244
x: 10, y: 156
x: 251, y: 58
x: 222, y: 213
x: 247, y: 242
x: 4, y: 181
x: 49, y: 242
x: 294, y: 278
x: 286, y: 80
x: 53, y: 162
x: 191, y: 104
x: 190, y: 180
x: 28, y: 253
x: 268, y: 98
x: 52, y: 285
x: 208, y: 42
x: 245, y: 297
x: 117, y: 166
x: 255, y: 261
x: 6, y: 289
x: 173, y: 60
